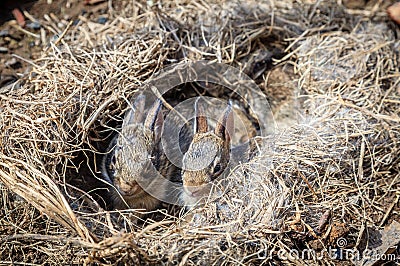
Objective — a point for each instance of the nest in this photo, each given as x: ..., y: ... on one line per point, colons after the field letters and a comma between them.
x: 332, y: 172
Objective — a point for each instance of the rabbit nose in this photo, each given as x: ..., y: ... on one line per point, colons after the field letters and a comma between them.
x: 195, y: 191
x: 128, y: 188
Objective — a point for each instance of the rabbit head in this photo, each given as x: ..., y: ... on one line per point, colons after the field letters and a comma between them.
x: 207, y: 156
x: 134, y: 153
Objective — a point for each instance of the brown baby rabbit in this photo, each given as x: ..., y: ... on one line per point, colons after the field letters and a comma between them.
x: 133, y: 152
x: 208, y: 154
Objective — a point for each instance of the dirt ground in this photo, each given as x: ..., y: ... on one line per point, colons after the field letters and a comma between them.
x: 43, y: 20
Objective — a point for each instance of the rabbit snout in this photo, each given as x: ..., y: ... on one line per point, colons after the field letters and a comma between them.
x: 127, y: 188
x: 197, y: 191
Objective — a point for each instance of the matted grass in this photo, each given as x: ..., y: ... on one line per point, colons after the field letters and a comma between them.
x: 333, y: 173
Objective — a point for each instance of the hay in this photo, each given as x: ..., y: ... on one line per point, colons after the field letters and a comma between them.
x: 342, y: 155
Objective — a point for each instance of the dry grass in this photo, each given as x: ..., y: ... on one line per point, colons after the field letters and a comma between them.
x: 341, y: 158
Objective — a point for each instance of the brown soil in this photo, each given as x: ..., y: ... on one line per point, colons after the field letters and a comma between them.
x: 19, y: 46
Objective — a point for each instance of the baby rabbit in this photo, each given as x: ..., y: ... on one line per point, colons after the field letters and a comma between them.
x: 208, y: 154
x: 128, y: 165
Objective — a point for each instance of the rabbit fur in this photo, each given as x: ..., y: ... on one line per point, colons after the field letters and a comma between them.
x: 128, y: 165
x: 207, y: 156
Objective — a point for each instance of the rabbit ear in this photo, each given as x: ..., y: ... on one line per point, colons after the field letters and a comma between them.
x: 155, y: 119
x: 200, y: 125
x: 136, y: 115
x: 225, y: 125
x: 158, y: 125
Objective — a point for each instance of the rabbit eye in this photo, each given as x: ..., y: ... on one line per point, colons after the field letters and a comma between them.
x: 112, y: 165
x: 112, y: 162
x: 217, y: 168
